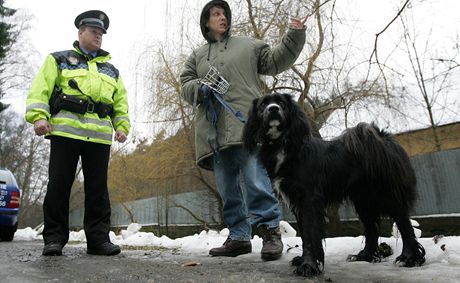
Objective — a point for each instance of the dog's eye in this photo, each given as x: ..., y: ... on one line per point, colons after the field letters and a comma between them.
x: 262, y: 105
x: 282, y: 104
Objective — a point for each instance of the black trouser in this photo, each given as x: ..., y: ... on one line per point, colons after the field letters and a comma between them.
x: 64, y: 156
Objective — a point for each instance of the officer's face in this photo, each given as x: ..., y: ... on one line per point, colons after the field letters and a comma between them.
x: 90, y: 38
x: 217, y: 22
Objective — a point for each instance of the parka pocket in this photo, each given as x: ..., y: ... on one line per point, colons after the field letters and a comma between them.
x: 108, y: 88
x: 79, y: 76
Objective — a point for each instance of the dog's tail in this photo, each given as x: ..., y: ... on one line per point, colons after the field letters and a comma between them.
x: 385, y: 161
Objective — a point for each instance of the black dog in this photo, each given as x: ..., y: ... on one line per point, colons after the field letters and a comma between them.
x: 364, y: 165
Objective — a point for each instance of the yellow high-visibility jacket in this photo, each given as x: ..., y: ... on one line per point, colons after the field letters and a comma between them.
x: 96, y: 78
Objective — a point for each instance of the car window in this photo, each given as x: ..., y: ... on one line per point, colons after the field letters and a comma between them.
x: 7, y: 178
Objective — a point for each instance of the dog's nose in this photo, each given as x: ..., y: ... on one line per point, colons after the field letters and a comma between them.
x: 273, y: 108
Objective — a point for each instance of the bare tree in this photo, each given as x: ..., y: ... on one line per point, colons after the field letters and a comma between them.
x: 322, y: 80
x: 332, y: 74
x: 16, y: 52
x: 26, y: 156
x: 424, y: 71
x: 173, y: 157
x: 325, y: 78
x: 434, y: 76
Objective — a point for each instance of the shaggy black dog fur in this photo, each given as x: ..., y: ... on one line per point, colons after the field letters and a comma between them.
x: 364, y: 165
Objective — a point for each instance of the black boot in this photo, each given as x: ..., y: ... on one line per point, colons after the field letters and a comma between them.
x: 272, y: 248
x: 52, y: 248
x: 232, y: 248
x: 106, y: 248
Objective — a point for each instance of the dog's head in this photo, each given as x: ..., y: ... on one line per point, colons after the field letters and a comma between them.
x: 274, y: 118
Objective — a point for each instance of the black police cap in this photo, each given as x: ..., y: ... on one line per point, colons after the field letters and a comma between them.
x: 93, y: 18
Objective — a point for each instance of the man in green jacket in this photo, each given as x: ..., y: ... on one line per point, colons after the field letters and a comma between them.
x: 76, y: 100
x: 239, y: 62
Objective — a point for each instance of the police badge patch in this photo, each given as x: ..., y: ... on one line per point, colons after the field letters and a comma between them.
x: 73, y: 60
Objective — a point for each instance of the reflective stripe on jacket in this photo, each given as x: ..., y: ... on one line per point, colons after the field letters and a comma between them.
x: 96, y: 78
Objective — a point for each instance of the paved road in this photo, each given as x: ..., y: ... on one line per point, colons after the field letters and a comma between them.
x: 21, y: 261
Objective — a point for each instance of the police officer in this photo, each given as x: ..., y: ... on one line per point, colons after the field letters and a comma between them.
x: 76, y: 100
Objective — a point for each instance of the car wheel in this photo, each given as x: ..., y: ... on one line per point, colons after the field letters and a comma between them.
x: 7, y: 233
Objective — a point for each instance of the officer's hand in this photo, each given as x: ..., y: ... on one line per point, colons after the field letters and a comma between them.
x: 120, y: 136
x: 42, y: 127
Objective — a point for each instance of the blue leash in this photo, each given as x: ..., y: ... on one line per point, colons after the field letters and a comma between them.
x: 237, y: 114
x: 219, y: 98
x: 214, y: 113
x: 213, y: 118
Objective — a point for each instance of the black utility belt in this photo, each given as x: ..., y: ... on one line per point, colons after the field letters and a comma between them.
x: 79, y: 105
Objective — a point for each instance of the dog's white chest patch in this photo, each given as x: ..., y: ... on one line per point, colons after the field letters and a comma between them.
x: 279, y: 160
x: 277, y: 184
x: 279, y: 191
x: 273, y: 131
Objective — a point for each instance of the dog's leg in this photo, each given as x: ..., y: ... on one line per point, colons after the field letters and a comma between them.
x: 310, y: 219
x: 297, y: 261
x: 413, y: 253
x: 369, y: 220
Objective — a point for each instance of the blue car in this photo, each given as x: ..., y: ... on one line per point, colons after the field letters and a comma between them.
x: 10, y: 198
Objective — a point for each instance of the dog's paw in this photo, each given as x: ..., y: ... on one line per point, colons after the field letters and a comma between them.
x: 308, y: 270
x: 352, y: 258
x: 305, y: 268
x: 361, y: 256
x: 416, y: 257
x: 405, y: 261
x: 297, y: 261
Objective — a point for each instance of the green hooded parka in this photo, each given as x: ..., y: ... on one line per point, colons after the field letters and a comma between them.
x: 240, y: 60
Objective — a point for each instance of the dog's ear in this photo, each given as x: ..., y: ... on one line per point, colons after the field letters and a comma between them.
x: 299, y: 126
x: 251, y: 128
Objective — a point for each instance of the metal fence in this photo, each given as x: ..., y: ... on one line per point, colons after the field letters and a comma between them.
x: 182, y: 209
x: 438, y: 185
x: 438, y: 177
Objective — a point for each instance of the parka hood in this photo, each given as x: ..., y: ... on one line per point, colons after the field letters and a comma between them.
x: 205, y: 16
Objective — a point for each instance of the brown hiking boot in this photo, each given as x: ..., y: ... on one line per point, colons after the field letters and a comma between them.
x: 272, y: 248
x: 232, y: 248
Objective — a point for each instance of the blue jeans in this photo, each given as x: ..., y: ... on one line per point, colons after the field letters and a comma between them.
x: 255, y: 204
